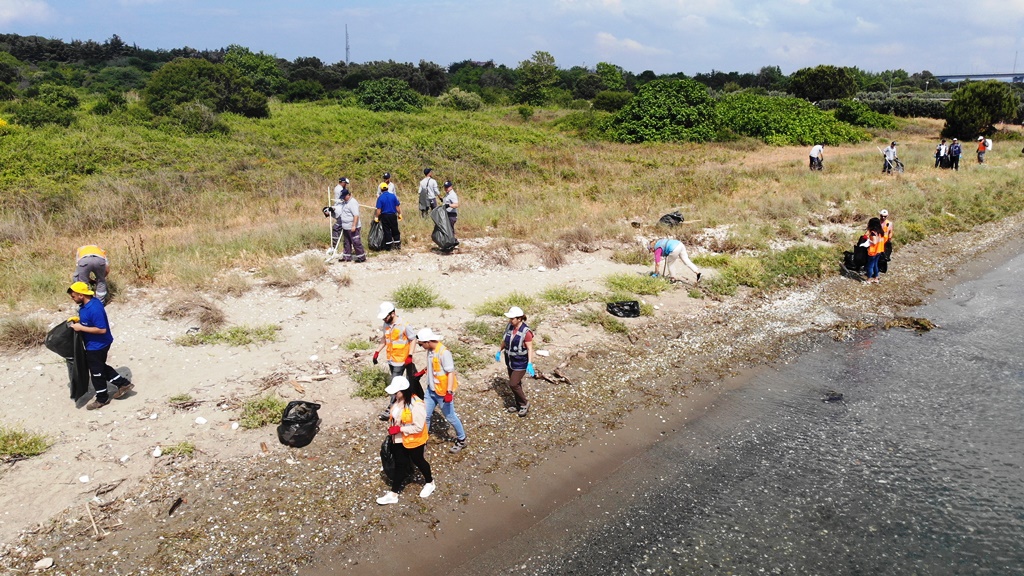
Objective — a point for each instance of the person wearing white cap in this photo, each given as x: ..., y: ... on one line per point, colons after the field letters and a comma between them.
x: 982, y: 148
x: 889, y: 157
x: 955, y: 150
x: 407, y: 425
x: 442, y: 383
x: 883, y: 217
x: 399, y: 341
x: 517, y: 343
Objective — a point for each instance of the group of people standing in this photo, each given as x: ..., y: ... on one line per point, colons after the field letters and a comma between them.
x: 347, y: 227
x: 948, y: 156
x: 412, y: 404
x: 877, y: 240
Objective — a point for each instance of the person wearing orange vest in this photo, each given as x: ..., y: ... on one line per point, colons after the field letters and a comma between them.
x: 398, y: 341
x: 441, y: 384
x: 876, y: 247
x: 91, y: 262
x: 981, y: 149
x: 883, y: 217
x: 407, y: 425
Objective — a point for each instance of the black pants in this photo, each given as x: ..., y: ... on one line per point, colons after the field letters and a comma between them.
x: 404, y: 459
x: 955, y: 162
x: 392, y: 237
x: 102, y: 373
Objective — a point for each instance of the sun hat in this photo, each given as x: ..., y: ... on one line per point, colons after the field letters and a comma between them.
x: 397, y: 383
x: 883, y: 213
x: 81, y: 288
x: 515, y: 312
x: 427, y: 335
x: 385, y: 309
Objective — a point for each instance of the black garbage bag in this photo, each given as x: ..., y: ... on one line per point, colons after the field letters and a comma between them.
x: 624, y: 309
x: 68, y: 344
x: 387, y: 457
x: 671, y: 219
x: 299, y: 423
x: 443, y: 234
x: 376, y: 239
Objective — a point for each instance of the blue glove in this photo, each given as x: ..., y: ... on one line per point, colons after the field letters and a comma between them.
x: 529, y: 369
x: 497, y: 356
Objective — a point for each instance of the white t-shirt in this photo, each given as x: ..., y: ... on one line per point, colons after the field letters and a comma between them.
x: 430, y: 185
x: 452, y: 198
x: 890, y: 153
x: 816, y: 150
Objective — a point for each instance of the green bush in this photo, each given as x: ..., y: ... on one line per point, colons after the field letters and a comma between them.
x: 388, y: 95
x: 587, y: 124
x: 15, y: 443
x: 35, y: 114
x: 636, y: 284
x: 784, y: 120
x: 565, y: 295
x: 304, y: 91
x: 370, y: 383
x: 458, y: 99
x: 197, y: 118
x: 858, y: 114
x: 976, y: 107
x: 418, y: 295
x: 233, y: 336
x: 667, y: 111
x: 611, y: 101
x: 488, y: 332
x: 259, y: 412
x: 498, y: 306
x: 525, y: 112
x: 63, y: 97
x: 109, y: 104
x: 220, y: 88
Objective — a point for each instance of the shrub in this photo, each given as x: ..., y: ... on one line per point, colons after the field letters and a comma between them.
x: 259, y: 412
x: 525, y: 112
x: 63, y: 97
x: 602, y: 319
x: 464, y: 357
x: 35, y: 114
x: 587, y: 125
x: 566, y: 295
x: 636, y: 284
x: 637, y: 256
x: 358, y: 345
x: 197, y: 118
x: 218, y: 87
x: 19, y: 333
x: 858, y: 114
x: 370, y: 383
x: 459, y: 99
x: 185, y: 449
x: 488, y: 332
x: 783, y: 121
x: 109, y: 104
x: 977, y: 106
x: 234, y: 336
x: 611, y: 101
x: 303, y: 91
x: 667, y: 111
x: 18, y: 444
x: 388, y: 95
x: 418, y: 295
x: 823, y: 82
x: 498, y: 306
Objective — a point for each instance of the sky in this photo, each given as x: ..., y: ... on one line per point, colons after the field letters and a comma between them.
x: 666, y: 36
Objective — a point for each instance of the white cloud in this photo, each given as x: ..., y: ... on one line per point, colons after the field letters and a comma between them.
x: 610, y: 43
x: 864, y: 26
x: 31, y: 10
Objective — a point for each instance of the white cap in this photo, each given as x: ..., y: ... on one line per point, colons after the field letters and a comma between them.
x: 397, y: 383
x: 427, y: 335
x: 385, y: 309
x: 980, y: 138
x: 515, y: 312
x: 883, y: 213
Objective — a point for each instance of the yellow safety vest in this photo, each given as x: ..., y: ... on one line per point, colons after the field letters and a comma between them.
x: 438, y: 373
x: 90, y: 250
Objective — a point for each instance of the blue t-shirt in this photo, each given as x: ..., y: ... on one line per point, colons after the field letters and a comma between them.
x: 388, y: 203
x: 93, y: 315
x: 667, y: 245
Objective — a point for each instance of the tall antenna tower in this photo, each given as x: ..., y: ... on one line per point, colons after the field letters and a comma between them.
x: 346, y: 45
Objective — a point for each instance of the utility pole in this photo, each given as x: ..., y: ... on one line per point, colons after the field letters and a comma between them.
x: 346, y: 45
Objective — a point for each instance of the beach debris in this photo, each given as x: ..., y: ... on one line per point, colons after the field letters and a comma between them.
x: 83, y: 479
x: 544, y: 353
x: 314, y: 358
x: 177, y: 502
x: 263, y: 446
x: 43, y: 564
x: 157, y: 452
x: 234, y: 425
x: 917, y: 324
x: 833, y: 396
x: 200, y: 420
x: 298, y: 387
x: 125, y: 458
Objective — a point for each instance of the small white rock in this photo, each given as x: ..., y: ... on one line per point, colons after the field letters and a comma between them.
x: 234, y: 425
x: 153, y: 416
x: 200, y: 420
x: 543, y: 353
x: 314, y: 358
x: 125, y: 458
x: 83, y: 479
x: 157, y: 452
x: 39, y: 368
x: 44, y: 564
x: 541, y: 269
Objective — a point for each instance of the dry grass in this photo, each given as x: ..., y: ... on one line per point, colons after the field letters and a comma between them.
x: 581, y: 238
x: 313, y: 266
x: 232, y: 284
x: 309, y: 294
x: 21, y: 333
x: 343, y: 281
x: 281, y: 275
x: 208, y: 314
x: 552, y: 255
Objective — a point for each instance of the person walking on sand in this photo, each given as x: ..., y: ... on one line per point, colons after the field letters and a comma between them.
x: 888, y: 157
x: 407, y: 425
x: 981, y: 149
x: 517, y: 343
x: 955, y: 150
x: 351, y: 229
x: 92, y: 265
x: 451, y: 204
x: 442, y: 384
x: 672, y: 251
x: 817, y: 155
x: 94, y: 327
x: 398, y: 340
x: 428, y: 192
x: 389, y: 213
x: 876, y: 245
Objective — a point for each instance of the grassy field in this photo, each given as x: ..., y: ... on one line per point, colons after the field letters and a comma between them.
x: 181, y: 210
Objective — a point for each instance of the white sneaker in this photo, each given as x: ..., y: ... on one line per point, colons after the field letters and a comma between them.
x: 428, y: 489
x: 389, y: 498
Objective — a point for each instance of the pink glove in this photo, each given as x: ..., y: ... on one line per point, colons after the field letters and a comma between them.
x: 394, y: 430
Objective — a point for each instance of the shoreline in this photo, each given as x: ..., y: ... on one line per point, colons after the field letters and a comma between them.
x: 479, y: 499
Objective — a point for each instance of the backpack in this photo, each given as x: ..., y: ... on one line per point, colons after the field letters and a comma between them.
x: 299, y: 423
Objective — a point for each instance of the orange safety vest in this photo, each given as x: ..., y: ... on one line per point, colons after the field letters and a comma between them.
x: 981, y: 146
x: 887, y: 231
x: 417, y: 438
x: 90, y: 250
x: 438, y: 373
x: 878, y: 247
x: 397, y: 342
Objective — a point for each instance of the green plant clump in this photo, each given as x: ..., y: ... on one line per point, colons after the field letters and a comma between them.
x: 783, y: 120
x: 418, y: 295
x: 566, y: 295
x: 498, y: 306
x: 370, y: 383
x: 186, y: 449
x: 259, y: 412
x: 17, y: 444
x: 488, y: 332
x: 234, y: 336
x: 602, y: 319
x: 636, y: 284
x: 464, y: 357
x: 667, y: 111
x: 353, y: 345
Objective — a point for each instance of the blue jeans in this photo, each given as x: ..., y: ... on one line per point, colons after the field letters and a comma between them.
x: 872, y: 269
x: 448, y: 409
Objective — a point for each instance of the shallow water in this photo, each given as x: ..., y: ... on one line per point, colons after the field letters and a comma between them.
x: 920, y: 470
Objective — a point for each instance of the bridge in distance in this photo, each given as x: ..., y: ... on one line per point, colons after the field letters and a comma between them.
x: 1014, y: 77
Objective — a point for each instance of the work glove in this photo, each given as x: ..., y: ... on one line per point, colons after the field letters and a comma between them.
x: 420, y: 373
x: 328, y: 211
x: 530, y: 371
x: 399, y: 217
x: 394, y: 430
x: 375, y: 354
x: 408, y: 359
x: 497, y: 356
x: 449, y: 397
x: 375, y: 219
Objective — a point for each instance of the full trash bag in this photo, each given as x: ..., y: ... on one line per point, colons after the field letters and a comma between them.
x: 376, y: 239
x: 624, y: 309
x: 68, y: 344
x: 443, y: 234
x: 299, y: 423
x: 387, y: 457
x: 671, y: 219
